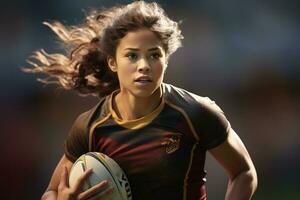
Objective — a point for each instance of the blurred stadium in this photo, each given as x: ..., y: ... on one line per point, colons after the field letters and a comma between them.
x: 242, y: 54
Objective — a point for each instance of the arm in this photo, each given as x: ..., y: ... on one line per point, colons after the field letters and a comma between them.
x: 234, y: 157
x: 58, y: 188
x: 51, y: 191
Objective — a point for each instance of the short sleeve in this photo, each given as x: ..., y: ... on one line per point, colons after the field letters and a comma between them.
x: 212, y: 125
x: 76, y: 142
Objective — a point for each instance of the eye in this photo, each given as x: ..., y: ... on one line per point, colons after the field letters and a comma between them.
x: 132, y: 56
x: 155, y: 56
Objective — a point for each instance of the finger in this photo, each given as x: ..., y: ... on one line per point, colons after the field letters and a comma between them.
x: 101, y: 194
x: 94, y: 190
x: 81, y: 179
x: 64, y: 178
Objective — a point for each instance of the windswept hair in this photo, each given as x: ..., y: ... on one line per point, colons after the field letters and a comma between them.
x: 87, y: 46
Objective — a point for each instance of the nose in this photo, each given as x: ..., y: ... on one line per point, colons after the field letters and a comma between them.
x: 143, y: 65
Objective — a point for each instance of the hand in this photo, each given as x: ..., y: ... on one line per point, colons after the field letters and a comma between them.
x: 75, y: 193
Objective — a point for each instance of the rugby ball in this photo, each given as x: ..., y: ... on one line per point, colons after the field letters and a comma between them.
x: 104, y: 168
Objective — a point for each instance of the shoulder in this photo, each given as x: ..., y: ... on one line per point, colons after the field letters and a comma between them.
x: 86, y: 118
x: 77, y: 141
x: 185, y: 99
x: 206, y: 117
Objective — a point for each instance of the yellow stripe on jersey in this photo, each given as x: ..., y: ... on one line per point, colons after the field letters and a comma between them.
x: 140, y: 122
x: 136, y: 123
x: 185, y: 184
x: 93, y: 128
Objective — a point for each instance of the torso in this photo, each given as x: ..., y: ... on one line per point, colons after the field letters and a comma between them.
x: 161, y: 153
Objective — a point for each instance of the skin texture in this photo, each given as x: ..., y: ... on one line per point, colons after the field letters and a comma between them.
x: 59, y: 189
x: 235, y: 159
x: 140, y: 53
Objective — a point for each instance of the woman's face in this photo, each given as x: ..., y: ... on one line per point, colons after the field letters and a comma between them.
x: 140, y: 62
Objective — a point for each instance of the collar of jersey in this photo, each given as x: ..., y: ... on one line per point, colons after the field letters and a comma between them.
x: 140, y: 122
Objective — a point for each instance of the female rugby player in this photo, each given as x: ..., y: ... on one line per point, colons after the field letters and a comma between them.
x: 158, y: 133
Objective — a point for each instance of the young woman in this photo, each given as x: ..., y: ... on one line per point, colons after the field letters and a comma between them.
x: 158, y: 133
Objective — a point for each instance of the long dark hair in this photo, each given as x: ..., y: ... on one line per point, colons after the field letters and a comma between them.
x: 85, y: 67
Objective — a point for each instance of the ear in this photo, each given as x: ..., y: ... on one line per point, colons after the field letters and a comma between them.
x: 111, y: 61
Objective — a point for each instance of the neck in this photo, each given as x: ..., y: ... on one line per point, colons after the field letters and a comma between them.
x: 130, y: 107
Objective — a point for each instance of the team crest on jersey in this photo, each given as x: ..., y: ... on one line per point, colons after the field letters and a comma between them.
x: 171, y: 144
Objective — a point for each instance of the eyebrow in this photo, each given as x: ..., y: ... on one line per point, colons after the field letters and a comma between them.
x: 136, y: 49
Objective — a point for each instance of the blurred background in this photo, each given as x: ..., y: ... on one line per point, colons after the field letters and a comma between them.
x: 242, y: 54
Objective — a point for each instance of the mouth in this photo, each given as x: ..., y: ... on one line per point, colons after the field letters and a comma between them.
x: 143, y: 79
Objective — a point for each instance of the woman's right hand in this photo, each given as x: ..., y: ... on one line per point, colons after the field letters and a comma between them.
x: 65, y: 192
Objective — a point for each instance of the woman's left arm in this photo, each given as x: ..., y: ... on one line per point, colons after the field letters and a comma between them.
x: 235, y: 159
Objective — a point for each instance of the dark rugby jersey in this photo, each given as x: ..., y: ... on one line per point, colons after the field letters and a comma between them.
x: 163, y: 153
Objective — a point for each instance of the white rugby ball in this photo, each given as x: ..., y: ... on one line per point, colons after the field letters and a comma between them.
x: 104, y: 168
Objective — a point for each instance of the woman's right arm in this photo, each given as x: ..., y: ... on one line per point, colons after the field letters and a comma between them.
x: 51, y: 191
x: 58, y: 188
